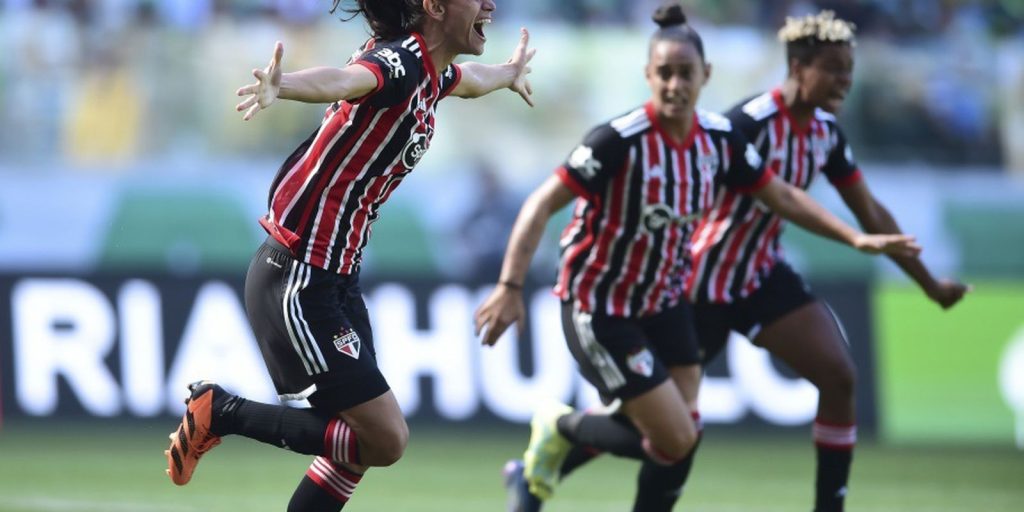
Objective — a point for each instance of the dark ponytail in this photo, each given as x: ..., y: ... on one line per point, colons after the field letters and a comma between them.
x: 672, y: 25
x: 388, y: 19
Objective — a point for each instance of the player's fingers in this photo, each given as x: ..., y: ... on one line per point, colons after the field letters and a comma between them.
x: 524, y: 36
x: 526, y: 96
x: 530, y: 54
x: 246, y: 90
x: 259, y: 74
x: 251, y: 112
x: 246, y: 104
x: 278, y: 53
x: 479, y: 321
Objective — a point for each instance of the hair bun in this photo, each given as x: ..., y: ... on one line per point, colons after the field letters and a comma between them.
x: 669, y: 14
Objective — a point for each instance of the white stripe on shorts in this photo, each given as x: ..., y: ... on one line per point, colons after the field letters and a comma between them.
x: 298, y: 330
x: 600, y: 358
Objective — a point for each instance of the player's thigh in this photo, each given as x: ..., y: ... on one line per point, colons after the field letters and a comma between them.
x: 809, y: 340
x: 687, y: 381
x: 663, y: 417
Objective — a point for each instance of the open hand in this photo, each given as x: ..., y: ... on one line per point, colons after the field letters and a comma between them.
x: 268, y: 85
x: 503, y: 307
x: 893, y: 245
x: 521, y: 56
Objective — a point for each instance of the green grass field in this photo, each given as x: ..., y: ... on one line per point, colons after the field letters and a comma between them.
x: 120, y: 468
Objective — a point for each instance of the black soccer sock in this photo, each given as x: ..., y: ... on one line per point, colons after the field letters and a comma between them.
x: 659, y: 486
x: 326, y: 487
x: 299, y: 430
x: 578, y: 456
x: 834, y: 443
x: 833, y: 475
x: 613, y: 433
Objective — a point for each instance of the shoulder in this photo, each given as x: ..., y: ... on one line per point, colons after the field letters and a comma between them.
x: 713, y: 121
x: 397, y: 57
x: 629, y: 124
x: 757, y: 108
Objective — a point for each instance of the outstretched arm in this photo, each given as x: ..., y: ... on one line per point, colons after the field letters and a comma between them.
x: 480, y: 79
x: 875, y: 218
x: 504, y: 306
x: 313, y: 85
x: 795, y: 205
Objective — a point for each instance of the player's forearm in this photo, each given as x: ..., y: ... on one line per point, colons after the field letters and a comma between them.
x: 880, y: 221
x: 316, y: 85
x: 522, y: 243
x: 480, y: 79
x: 796, y: 206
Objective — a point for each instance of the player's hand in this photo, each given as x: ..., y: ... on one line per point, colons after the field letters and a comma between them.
x: 520, y: 59
x: 947, y: 292
x: 503, y: 307
x: 893, y: 245
x: 268, y: 85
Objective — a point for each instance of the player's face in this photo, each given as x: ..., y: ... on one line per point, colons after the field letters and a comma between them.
x: 826, y: 80
x: 464, y: 23
x: 676, y: 73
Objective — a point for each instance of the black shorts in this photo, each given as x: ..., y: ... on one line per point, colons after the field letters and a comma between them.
x: 626, y: 357
x: 313, y: 330
x: 783, y: 292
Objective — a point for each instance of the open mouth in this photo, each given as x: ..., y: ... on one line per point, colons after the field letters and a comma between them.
x: 478, y: 27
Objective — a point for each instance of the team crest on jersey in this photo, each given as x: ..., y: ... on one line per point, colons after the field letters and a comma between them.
x: 347, y: 342
x: 819, y: 151
x: 707, y: 163
x: 641, y: 362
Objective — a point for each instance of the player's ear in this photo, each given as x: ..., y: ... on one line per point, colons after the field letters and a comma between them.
x: 434, y: 9
x: 707, y: 73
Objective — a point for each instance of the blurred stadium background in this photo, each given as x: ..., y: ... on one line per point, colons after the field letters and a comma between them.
x: 129, y: 192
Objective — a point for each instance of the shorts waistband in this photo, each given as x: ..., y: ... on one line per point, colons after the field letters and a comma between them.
x: 277, y: 246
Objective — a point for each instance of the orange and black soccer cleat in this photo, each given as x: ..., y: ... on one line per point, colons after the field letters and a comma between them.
x: 193, y: 437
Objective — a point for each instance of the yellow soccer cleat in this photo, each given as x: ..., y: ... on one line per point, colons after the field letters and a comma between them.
x: 546, y: 451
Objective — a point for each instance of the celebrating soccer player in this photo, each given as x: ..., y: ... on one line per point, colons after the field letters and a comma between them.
x: 302, y: 293
x: 639, y: 182
x: 740, y: 281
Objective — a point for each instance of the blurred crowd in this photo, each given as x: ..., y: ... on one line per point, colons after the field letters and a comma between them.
x: 889, y: 18
x: 112, y: 81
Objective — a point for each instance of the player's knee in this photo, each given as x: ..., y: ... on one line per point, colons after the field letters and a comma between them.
x: 840, y: 381
x: 671, y: 449
x: 390, y: 444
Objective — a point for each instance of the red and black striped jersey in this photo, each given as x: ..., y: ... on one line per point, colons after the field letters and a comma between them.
x: 329, y: 190
x: 638, y: 190
x: 737, y: 244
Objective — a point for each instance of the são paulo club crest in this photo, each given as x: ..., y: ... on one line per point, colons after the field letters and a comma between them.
x: 347, y: 342
x: 641, y: 362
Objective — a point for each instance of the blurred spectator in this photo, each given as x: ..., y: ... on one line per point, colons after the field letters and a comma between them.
x: 484, y: 231
x: 104, y: 119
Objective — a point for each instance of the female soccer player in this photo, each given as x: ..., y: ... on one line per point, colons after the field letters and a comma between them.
x: 740, y: 281
x: 639, y: 182
x: 302, y: 294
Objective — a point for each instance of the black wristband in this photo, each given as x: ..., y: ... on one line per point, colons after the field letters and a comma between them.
x: 510, y: 284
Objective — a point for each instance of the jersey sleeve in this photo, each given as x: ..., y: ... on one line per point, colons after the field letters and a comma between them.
x: 449, y: 79
x: 841, y: 168
x: 594, y: 162
x: 745, y: 171
x: 397, y: 71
